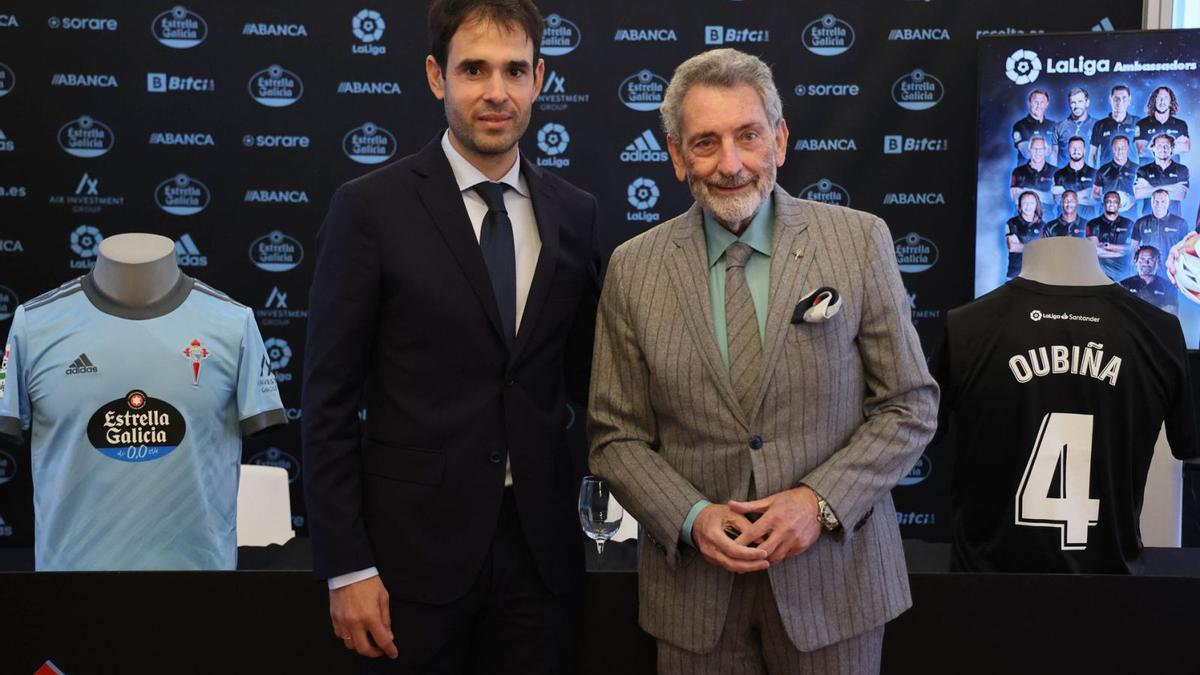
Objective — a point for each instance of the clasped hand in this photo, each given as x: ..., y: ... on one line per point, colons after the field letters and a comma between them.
x: 787, y: 526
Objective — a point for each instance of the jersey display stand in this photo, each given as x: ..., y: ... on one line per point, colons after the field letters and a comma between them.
x: 1058, y: 393
x: 136, y: 412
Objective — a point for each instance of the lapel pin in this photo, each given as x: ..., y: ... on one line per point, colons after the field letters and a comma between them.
x: 798, y: 253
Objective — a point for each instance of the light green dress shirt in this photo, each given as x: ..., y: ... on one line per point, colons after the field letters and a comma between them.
x: 759, y: 236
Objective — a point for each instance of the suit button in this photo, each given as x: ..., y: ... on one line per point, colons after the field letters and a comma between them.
x: 755, y: 442
x: 495, y: 457
x: 510, y: 383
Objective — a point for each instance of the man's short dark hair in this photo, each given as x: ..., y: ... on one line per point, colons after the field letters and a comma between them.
x: 447, y: 16
x: 1153, y: 251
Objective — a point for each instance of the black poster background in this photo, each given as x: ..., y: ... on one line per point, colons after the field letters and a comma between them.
x: 295, y: 152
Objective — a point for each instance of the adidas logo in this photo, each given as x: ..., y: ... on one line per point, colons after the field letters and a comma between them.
x: 1104, y: 26
x: 644, y: 148
x: 187, y: 254
x: 81, y: 366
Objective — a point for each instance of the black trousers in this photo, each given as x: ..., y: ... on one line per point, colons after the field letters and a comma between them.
x: 508, y: 622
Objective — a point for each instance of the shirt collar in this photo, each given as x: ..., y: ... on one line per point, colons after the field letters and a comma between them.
x: 758, y: 235
x: 467, y: 176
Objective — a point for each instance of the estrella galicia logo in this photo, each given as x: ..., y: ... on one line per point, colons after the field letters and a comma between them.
x: 8, y: 79
x: 915, y: 253
x: 275, y: 87
x: 826, y: 192
x: 136, y: 428
x: 181, y: 195
x: 278, y: 458
x: 642, y: 91
x: 559, y: 36
x: 552, y: 140
x: 917, y: 90
x: 8, y: 307
x: 179, y: 28
x: 276, y: 252
x: 86, y: 137
x: 919, y: 472
x: 1023, y: 66
x: 828, y: 36
x: 85, y: 241
x: 8, y: 467
x: 369, y: 144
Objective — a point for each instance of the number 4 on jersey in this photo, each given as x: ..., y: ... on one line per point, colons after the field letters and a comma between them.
x: 1064, y: 446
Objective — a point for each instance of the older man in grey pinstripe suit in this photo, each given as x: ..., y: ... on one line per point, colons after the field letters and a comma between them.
x: 752, y: 424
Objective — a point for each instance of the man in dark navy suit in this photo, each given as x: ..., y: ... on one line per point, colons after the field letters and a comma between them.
x: 459, y: 285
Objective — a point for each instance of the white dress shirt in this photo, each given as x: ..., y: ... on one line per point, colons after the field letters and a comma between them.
x: 527, y: 245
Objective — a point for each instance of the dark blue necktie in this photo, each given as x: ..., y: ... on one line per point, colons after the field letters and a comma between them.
x: 496, y: 244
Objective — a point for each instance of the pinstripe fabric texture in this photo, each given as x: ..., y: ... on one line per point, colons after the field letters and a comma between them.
x: 745, y: 344
x: 754, y: 642
x: 844, y: 406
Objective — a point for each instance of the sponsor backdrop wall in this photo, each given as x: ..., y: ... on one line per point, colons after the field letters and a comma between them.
x: 226, y: 127
x: 1118, y: 73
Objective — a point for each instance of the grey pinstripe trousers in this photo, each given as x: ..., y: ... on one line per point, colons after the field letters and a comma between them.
x: 754, y: 642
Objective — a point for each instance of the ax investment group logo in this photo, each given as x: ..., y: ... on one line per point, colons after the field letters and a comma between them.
x: 179, y: 28
x: 1023, y: 67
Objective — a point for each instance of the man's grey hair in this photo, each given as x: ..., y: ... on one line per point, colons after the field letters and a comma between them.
x: 719, y: 68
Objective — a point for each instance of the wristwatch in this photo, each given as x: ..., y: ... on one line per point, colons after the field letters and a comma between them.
x: 825, y: 515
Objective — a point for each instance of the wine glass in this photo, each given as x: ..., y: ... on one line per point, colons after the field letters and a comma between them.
x: 599, y: 513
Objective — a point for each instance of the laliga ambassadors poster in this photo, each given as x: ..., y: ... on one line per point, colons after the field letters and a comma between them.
x: 1088, y: 136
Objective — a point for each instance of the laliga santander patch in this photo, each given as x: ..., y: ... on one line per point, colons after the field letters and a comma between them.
x: 136, y: 428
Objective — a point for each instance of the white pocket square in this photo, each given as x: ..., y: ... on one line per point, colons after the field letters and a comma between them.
x: 817, y: 306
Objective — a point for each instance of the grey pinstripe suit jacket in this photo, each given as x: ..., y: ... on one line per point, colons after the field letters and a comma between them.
x: 845, y: 407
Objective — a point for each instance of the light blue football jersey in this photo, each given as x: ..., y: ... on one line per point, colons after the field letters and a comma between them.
x: 137, y: 417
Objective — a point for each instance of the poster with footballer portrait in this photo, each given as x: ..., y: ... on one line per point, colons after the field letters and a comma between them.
x: 1090, y: 135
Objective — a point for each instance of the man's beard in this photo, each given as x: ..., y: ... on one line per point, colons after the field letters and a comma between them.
x: 732, y: 210
x: 486, y: 144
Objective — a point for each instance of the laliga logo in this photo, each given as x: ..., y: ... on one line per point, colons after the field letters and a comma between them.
x: 1035, y: 315
x: 560, y: 36
x: 275, y: 87
x: 642, y: 193
x: 369, y: 144
x: 1023, y: 66
x: 278, y: 352
x: 368, y: 25
x: 828, y: 36
x: 181, y: 195
x: 179, y: 28
x: 85, y: 241
x: 917, y: 90
x: 642, y: 91
x: 826, y: 192
x: 919, y: 472
x: 552, y: 139
x: 85, y: 137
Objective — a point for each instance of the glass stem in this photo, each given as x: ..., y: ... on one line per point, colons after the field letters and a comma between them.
x: 600, y: 546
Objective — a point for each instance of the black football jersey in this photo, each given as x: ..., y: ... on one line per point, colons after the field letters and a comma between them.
x: 1057, y: 394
